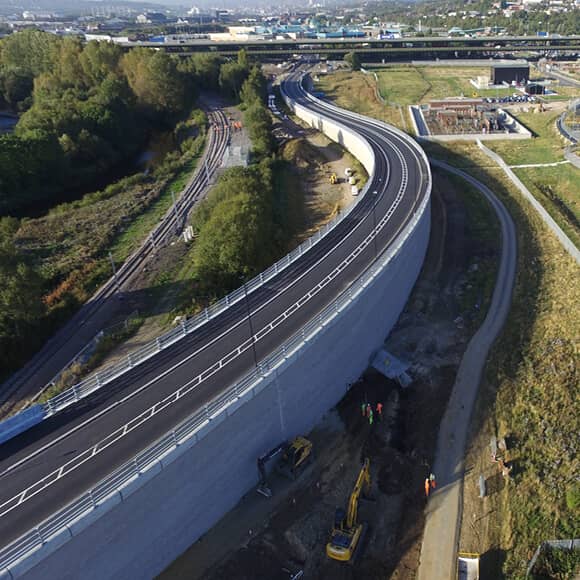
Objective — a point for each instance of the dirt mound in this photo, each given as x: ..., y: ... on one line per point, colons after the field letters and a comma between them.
x: 301, y: 153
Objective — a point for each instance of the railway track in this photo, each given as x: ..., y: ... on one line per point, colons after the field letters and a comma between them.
x: 170, y: 225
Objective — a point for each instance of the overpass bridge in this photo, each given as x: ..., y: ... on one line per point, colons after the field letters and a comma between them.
x: 119, y: 478
x: 374, y: 50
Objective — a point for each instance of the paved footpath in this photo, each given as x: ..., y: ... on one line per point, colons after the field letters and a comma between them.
x: 443, y: 512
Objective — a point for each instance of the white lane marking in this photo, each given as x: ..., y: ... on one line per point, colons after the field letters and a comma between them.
x: 184, y: 390
x: 195, y: 353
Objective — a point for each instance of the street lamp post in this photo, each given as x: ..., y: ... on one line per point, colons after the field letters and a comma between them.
x: 375, y: 194
x: 249, y: 315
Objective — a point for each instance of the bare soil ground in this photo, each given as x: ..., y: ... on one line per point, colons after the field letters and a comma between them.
x: 273, y: 538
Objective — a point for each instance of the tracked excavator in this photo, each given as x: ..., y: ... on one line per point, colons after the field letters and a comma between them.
x: 291, y: 458
x: 347, y: 535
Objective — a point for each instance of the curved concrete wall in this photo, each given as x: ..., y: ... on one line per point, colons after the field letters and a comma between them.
x: 145, y: 526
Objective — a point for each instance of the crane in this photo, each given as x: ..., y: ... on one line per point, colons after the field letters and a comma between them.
x: 347, y: 533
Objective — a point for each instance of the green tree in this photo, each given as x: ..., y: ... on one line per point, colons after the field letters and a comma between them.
x: 20, y: 295
x: 259, y: 124
x: 254, y: 88
x: 353, y: 60
x: 156, y: 82
x: 232, y: 77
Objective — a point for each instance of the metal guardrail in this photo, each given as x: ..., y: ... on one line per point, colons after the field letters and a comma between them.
x: 98, y: 380
x: 127, y: 472
x: 130, y: 470
x: 80, y: 459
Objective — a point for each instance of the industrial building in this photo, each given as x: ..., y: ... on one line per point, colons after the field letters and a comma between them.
x: 510, y: 73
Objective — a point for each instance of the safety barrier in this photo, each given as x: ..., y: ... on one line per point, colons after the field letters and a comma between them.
x: 193, y: 426
x: 124, y: 475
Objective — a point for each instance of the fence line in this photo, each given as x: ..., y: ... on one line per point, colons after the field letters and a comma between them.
x: 566, y: 242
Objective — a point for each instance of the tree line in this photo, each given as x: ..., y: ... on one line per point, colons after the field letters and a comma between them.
x: 240, y: 230
x: 83, y: 109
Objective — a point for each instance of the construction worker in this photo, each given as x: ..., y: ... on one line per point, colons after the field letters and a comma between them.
x: 427, y: 487
x: 432, y: 481
x: 380, y: 412
x: 370, y: 416
x: 363, y: 409
x: 369, y: 409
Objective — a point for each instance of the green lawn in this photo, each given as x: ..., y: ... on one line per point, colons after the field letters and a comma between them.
x: 547, y: 147
x: 558, y: 190
x: 410, y: 85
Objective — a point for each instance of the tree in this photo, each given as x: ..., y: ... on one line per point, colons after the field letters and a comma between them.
x: 20, y: 295
x: 156, y: 82
x: 254, y: 88
x: 232, y: 77
x: 235, y: 228
x: 353, y: 60
x: 259, y: 124
x: 15, y: 87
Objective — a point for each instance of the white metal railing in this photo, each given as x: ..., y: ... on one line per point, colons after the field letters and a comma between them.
x: 121, y: 432
x: 146, y: 458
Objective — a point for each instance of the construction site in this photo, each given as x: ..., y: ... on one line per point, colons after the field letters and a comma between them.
x: 347, y: 500
x: 464, y: 116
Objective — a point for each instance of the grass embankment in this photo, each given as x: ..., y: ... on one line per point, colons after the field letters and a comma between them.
x: 361, y: 95
x: 70, y: 244
x: 530, y: 392
x: 530, y: 397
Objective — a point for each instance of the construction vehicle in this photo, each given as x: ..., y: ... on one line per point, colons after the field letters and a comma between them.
x: 348, y: 172
x: 347, y: 534
x: 291, y: 458
x: 352, y: 180
x: 354, y: 190
x: 333, y: 179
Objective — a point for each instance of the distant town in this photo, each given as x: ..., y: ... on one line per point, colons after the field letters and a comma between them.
x: 131, y: 22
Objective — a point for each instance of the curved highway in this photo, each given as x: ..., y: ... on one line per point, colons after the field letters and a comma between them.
x: 398, y: 182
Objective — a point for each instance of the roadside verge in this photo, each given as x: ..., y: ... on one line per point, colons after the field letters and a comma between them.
x: 439, y: 549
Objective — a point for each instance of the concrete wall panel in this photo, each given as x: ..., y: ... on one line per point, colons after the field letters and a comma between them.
x: 157, y: 522
x: 207, y: 475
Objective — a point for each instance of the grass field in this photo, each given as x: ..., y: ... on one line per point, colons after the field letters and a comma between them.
x: 362, y: 92
x: 411, y: 85
x: 545, y: 147
x: 531, y: 387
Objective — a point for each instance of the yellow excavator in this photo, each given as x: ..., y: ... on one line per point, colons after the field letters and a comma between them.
x: 347, y: 534
x: 333, y: 178
x: 290, y: 458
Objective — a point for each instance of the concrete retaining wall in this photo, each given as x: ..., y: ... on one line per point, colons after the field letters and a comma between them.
x: 146, y: 531
x: 152, y: 521
x: 21, y: 422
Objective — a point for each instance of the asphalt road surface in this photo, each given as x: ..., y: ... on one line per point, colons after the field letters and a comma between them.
x: 441, y: 536
x: 39, y: 451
